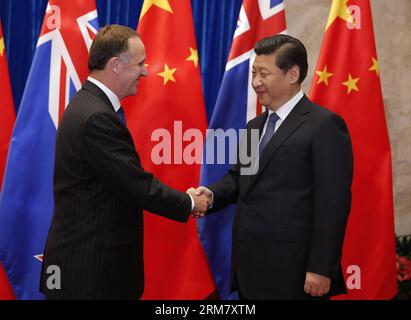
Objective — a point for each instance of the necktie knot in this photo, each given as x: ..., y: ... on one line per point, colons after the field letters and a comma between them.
x: 273, y: 118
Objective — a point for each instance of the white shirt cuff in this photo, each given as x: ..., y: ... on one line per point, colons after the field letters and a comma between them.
x: 192, y: 202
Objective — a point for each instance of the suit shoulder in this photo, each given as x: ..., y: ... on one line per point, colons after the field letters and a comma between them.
x: 83, y: 106
x: 88, y: 102
x: 320, y: 111
x: 323, y: 114
x: 325, y: 120
x: 258, y: 119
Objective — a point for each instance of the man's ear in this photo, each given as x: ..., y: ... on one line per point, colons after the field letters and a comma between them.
x: 293, y: 74
x: 114, y: 65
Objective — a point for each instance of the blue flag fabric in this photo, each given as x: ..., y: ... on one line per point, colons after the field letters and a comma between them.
x: 236, y: 104
x: 26, y: 202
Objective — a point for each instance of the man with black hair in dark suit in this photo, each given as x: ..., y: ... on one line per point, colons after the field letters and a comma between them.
x: 292, y: 213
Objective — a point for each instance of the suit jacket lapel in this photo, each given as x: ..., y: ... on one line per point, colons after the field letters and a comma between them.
x: 293, y: 121
x: 259, y: 122
x: 256, y: 124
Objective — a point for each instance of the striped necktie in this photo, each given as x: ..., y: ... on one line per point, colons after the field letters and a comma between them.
x: 121, y: 116
x: 269, y: 131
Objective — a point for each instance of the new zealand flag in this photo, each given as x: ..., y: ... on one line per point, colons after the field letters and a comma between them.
x: 26, y: 202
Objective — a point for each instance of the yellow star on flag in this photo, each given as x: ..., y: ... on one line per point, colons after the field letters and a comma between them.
x: 351, y: 83
x: 193, y: 56
x: 339, y: 9
x: 323, y: 76
x: 162, y: 4
x: 375, y: 66
x: 167, y: 74
x: 1, y: 46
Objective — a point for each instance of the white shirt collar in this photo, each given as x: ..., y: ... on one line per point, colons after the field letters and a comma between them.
x: 286, y: 108
x: 115, y: 101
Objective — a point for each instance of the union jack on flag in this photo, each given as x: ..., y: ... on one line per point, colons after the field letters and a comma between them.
x: 26, y: 202
x: 236, y: 104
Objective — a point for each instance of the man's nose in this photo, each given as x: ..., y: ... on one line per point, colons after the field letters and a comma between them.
x: 256, y: 82
x: 144, y: 71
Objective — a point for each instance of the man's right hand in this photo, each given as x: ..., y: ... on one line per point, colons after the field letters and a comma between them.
x: 316, y: 285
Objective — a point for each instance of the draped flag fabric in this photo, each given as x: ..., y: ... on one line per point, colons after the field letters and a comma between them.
x: 7, y: 118
x: 168, y: 113
x: 347, y: 81
x: 236, y: 104
x: 26, y: 204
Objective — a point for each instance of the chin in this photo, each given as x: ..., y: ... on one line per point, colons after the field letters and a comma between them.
x: 132, y: 93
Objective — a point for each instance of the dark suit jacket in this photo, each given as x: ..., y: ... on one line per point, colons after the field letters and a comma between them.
x: 100, y: 192
x: 292, y: 214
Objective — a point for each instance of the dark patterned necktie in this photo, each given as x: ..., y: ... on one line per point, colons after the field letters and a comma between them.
x: 121, y: 116
x: 269, y: 131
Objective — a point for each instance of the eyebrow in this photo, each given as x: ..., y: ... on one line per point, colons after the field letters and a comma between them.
x: 261, y: 68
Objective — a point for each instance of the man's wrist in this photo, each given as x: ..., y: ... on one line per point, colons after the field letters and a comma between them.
x: 212, y: 197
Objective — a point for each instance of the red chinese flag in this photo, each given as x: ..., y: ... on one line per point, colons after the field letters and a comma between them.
x: 347, y: 81
x: 6, y: 126
x: 170, y: 98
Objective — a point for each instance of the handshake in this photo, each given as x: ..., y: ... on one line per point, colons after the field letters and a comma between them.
x: 203, y: 200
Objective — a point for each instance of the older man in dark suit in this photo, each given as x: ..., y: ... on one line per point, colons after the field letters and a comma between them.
x: 100, y: 188
x: 292, y: 213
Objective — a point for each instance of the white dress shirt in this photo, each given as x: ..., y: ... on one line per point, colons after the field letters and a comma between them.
x: 283, y: 111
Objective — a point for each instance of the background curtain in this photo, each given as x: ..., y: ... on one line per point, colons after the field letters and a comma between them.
x: 214, y: 22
